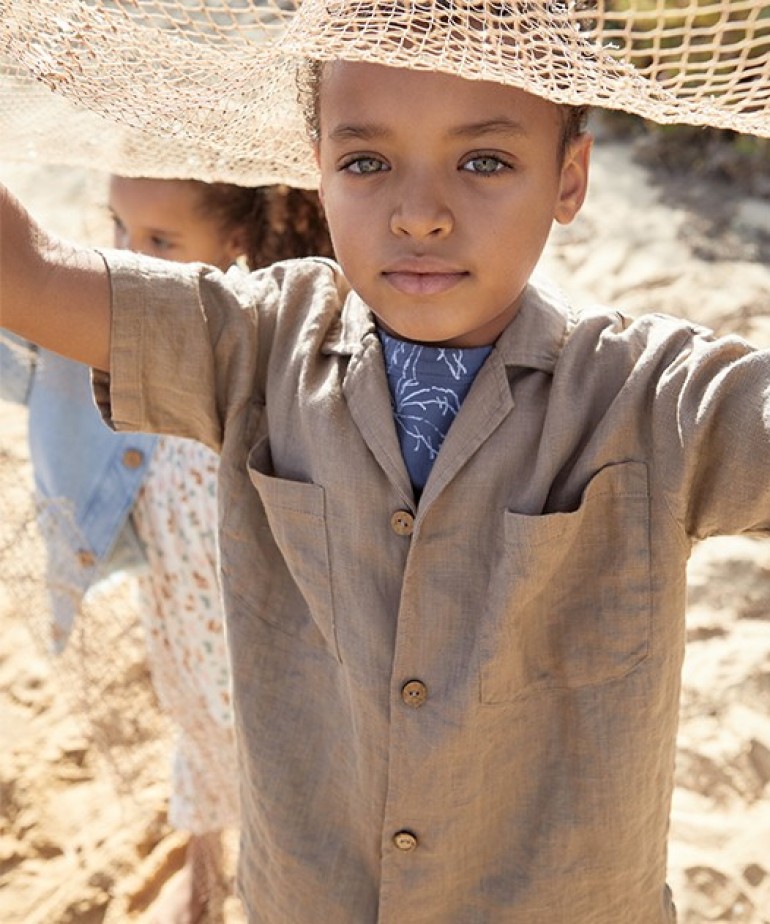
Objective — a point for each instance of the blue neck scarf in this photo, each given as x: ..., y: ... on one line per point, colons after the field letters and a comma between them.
x: 427, y: 386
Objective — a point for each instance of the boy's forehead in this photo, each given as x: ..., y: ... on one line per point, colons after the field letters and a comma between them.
x: 359, y: 89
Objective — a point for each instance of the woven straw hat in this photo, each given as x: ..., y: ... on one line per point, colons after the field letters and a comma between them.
x: 208, y: 88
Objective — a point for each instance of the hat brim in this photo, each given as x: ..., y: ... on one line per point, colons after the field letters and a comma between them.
x: 222, y: 103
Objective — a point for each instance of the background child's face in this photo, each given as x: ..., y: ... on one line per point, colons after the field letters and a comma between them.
x: 163, y: 218
x: 440, y: 194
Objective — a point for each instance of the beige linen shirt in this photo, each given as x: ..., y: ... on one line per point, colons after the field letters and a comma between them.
x: 461, y: 711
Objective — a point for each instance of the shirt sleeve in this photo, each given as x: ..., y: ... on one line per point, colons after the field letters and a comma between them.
x: 694, y: 407
x: 713, y: 434
x: 183, y: 345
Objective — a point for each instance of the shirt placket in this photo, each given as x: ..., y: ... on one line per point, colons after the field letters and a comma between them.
x: 403, y: 833
x: 416, y: 836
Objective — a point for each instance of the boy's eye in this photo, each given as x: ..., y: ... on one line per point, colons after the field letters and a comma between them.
x: 365, y: 165
x: 485, y: 164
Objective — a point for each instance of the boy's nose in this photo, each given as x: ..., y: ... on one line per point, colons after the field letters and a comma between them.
x: 421, y: 211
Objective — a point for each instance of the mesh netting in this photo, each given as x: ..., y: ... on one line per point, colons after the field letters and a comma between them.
x: 208, y: 88
x: 102, y: 671
x: 103, y: 676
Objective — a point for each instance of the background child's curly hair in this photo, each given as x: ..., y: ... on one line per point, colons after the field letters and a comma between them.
x: 279, y: 222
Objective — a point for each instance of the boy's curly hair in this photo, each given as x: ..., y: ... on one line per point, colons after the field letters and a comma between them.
x: 280, y: 222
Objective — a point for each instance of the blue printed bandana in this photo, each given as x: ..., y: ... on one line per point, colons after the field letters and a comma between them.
x: 427, y: 386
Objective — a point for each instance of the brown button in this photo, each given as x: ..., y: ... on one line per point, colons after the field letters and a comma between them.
x: 405, y: 840
x: 402, y: 523
x: 414, y: 693
x: 86, y: 559
x: 133, y: 458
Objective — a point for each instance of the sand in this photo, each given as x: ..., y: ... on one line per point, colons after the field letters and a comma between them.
x: 78, y: 845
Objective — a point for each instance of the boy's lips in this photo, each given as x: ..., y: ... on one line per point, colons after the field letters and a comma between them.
x: 417, y: 277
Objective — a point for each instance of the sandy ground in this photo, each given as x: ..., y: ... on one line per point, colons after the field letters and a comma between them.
x: 79, y: 845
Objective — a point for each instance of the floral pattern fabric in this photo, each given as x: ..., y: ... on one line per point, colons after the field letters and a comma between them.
x: 176, y: 518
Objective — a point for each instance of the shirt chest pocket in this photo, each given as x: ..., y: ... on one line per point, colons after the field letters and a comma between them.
x: 298, y: 558
x: 570, y: 598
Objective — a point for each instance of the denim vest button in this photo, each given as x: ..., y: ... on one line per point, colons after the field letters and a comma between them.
x: 133, y: 458
x: 85, y: 558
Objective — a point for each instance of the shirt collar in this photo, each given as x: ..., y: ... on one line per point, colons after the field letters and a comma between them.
x: 536, y: 336
x: 534, y: 339
x: 354, y: 323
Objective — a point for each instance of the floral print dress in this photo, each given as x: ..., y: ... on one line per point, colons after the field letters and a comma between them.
x: 176, y: 518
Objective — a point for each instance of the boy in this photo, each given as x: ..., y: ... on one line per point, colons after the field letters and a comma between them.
x: 456, y: 680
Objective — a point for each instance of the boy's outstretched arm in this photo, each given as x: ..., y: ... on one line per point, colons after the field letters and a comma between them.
x: 52, y: 292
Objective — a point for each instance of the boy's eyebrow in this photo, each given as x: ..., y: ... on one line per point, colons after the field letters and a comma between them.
x: 363, y: 131
x: 368, y: 131
x: 498, y: 126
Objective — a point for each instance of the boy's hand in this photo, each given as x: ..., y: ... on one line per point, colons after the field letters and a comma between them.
x: 52, y: 292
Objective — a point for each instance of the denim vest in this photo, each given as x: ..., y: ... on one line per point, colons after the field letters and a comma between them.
x: 86, y: 476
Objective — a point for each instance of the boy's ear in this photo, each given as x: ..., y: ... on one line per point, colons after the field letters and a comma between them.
x: 574, y: 178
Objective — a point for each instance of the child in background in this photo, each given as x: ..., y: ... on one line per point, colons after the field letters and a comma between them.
x: 456, y: 647
x: 163, y: 492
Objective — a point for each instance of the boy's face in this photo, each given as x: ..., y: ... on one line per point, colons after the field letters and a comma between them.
x: 440, y: 194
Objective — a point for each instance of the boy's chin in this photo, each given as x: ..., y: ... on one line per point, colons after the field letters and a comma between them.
x: 408, y: 333
x: 418, y: 337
